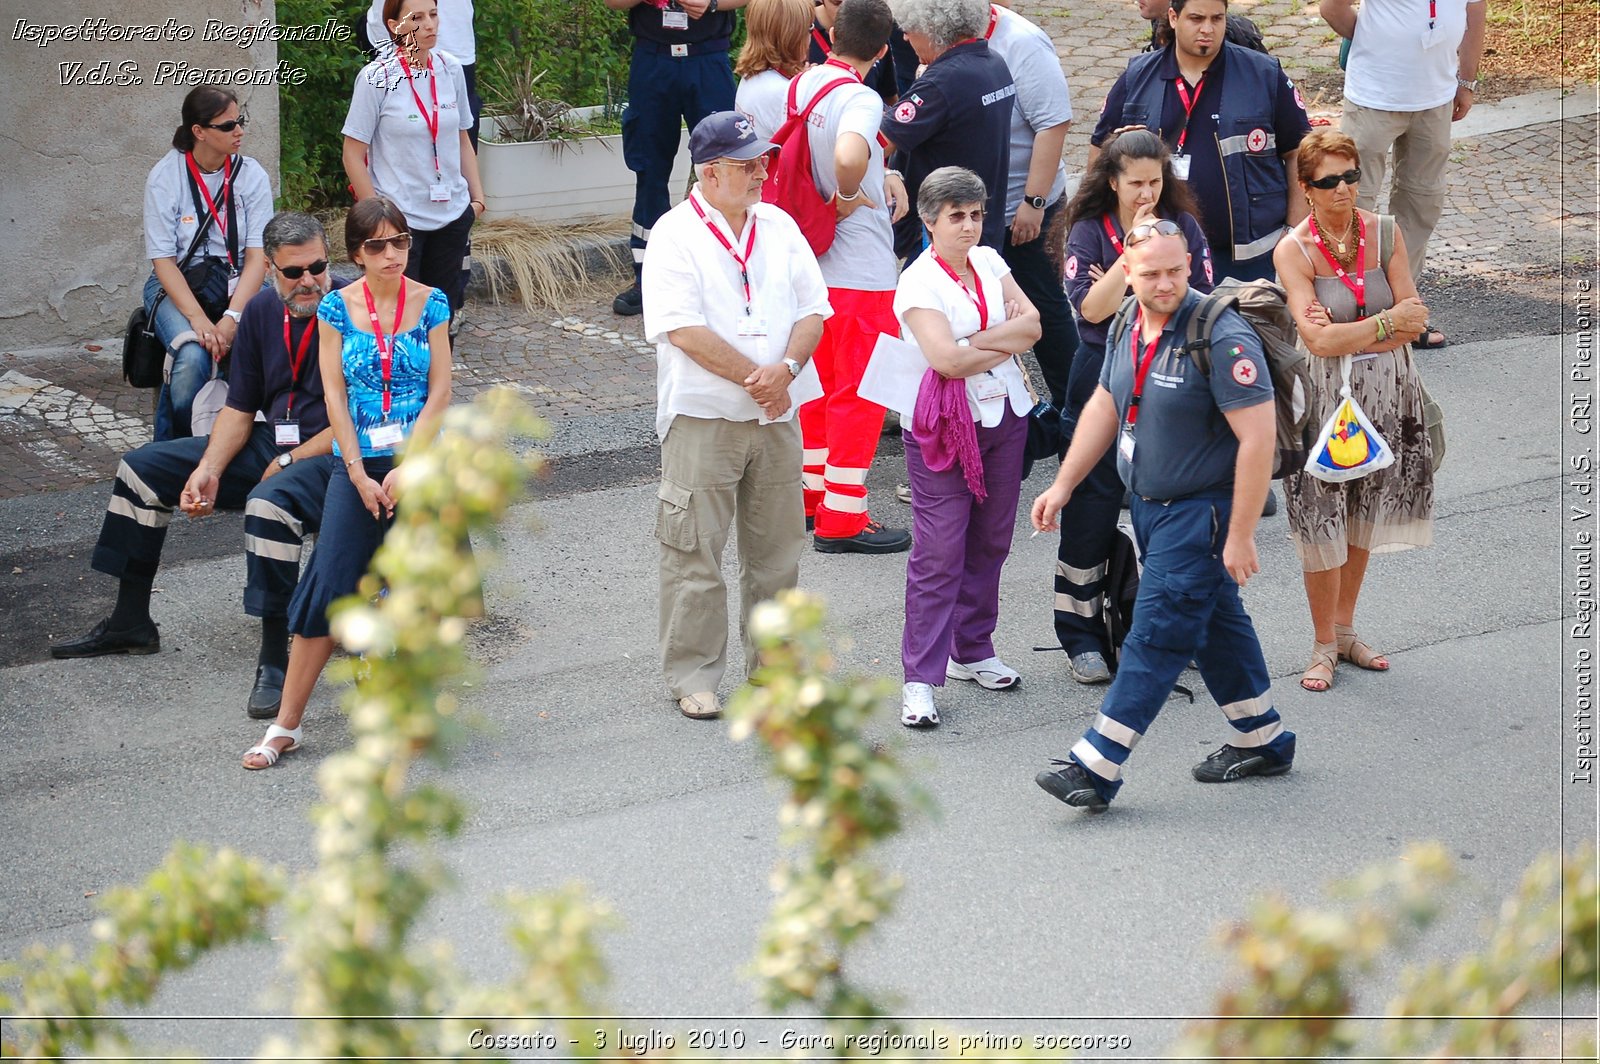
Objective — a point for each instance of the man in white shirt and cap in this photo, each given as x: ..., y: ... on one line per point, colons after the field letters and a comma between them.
x: 734, y: 302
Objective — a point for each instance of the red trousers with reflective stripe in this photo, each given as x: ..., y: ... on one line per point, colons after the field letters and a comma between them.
x: 840, y: 431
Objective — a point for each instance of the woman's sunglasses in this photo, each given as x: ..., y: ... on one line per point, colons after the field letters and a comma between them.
x: 1160, y: 227
x: 375, y: 246
x: 294, y: 273
x: 229, y: 126
x: 1349, y: 177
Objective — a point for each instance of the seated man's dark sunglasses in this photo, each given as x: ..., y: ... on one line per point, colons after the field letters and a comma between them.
x: 294, y: 273
x: 1349, y: 177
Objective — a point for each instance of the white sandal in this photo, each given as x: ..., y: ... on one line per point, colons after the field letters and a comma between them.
x: 272, y: 753
x: 990, y: 673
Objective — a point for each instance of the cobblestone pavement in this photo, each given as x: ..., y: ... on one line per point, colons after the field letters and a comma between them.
x: 65, y: 415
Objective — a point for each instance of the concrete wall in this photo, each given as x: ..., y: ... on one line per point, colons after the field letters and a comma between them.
x: 73, y: 157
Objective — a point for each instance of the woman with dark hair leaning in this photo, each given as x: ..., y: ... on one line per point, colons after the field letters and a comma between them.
x: 958, y: 303
x: 777, y: 35
x: 406, y: 137
x: 196, y: 301
x: 387, y: 383
x: 1129, y: 187
x: 1351, y: 292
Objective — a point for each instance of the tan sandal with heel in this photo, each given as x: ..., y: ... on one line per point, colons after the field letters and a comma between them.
x: 1324, y: 657
x: 1357, y: 651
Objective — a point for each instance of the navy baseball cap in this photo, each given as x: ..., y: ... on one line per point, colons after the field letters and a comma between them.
x: 726, y: 135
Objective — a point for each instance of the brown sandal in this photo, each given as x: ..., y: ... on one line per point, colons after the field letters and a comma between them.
x: 1324, y: 656
x: 1357, y: 651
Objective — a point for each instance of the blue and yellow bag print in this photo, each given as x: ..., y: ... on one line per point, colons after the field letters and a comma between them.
x: 1348, y: 447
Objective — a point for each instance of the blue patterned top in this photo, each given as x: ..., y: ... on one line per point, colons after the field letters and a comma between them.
x: 363, y: 372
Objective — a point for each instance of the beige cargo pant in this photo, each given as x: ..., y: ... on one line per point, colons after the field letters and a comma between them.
x: 1421, y: 144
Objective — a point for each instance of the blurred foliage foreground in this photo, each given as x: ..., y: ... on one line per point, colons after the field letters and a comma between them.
x: 348, y: 947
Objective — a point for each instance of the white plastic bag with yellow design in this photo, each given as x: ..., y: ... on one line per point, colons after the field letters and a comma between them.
x: 1348, y: 447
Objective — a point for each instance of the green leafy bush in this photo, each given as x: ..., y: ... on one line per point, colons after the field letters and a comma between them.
x: 584, y: 46
x: 311, y: 114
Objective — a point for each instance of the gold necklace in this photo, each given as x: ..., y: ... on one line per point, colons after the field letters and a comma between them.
x: 1342, y: 250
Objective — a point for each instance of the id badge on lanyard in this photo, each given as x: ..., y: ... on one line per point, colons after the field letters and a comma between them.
x: 286, y: 432
x: 674, y: 20
x: 1180, y: 167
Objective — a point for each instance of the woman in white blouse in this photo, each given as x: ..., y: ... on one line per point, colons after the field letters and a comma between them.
x: 777, y: 41
x: 959, y: 304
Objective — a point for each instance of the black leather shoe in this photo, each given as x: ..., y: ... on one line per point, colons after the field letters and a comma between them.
x: 628, y: 303
x: 874, y: 539
x: 140, y: 639
x: 267, y: 694
x: 1270, y: 507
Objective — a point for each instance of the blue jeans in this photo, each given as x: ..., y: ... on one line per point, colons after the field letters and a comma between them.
x: 191, y: 367
x: 1188, y: 609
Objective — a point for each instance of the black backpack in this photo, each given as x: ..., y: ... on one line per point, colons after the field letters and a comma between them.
x: 1120, y: 591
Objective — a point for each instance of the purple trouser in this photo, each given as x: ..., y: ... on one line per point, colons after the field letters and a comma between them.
x: 958, y: 547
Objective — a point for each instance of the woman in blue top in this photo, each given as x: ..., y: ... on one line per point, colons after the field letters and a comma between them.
x: 384, y: 346
x: 1130, y: 184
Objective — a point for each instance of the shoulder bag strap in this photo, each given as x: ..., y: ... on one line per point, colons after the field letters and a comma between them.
x: 200, y: 212
x: 1197, y: 337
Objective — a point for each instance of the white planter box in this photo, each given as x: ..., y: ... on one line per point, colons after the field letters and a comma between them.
x: 558, y: 182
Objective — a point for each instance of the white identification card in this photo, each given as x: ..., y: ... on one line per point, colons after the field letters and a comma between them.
x: 986, y: 386
x: 439, y: 192
x: 752, y: 326
x: 1180, y: 167
x: 1125, y: 444
x: 386, y: 435
x: 674, y: 20
x: 286, y: 433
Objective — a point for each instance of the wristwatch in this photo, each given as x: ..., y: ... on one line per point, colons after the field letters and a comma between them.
x: 963, y: 342
x: 236, y: 315
x: 794, y: 367
x: 285, y: 459
x: 1470, y: 86
x: 1036, y: 202
x: 711, y: 8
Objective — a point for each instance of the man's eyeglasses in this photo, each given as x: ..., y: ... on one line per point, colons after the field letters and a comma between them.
x: 748, y: 166
x: 1160, y: 227
x: 228, y: 126
x: 1349, y: 177
x: 294, y: 273
x: 375, y: 246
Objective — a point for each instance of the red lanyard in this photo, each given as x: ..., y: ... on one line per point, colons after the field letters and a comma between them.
x: 1111, y: 233
x: 386, y: 349
x: 978, y: 299
x: 1141, y: 367
x: 432, y: 121
x: 227, y: 184
x: 742, y: 260
x: 842, y: 65
x: 297, y: 358
x: 1433, y: 12
x: 1359, y: 284
x: 821, y: 39
x: 994, y: 20
x: 1188, y: 105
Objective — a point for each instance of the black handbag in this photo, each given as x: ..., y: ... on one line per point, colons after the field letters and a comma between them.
x: 143, y: 354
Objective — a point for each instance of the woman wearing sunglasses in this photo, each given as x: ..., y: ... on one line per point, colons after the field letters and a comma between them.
x: 407, y: 137
x: 1350, y: 289
x: 205, y: 206
x: 958, y: 303
x: 385, y: 359
x: 1128, y: 189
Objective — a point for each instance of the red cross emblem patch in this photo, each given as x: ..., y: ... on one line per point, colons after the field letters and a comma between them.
x: 905, y: 112
x: 1256, y: 140
x: 1072, y: 266
x: 1244, y: 371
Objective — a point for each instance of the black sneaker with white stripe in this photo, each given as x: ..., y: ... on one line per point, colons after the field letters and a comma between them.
x: 1069, y: 782
x: 1233, y: 763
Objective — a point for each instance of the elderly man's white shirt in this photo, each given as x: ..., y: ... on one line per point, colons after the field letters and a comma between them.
x: 691, y: 279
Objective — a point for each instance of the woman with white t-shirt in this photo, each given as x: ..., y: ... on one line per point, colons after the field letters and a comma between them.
x: 777, y: 38
x: 959, y: 304
x: 406, y: 138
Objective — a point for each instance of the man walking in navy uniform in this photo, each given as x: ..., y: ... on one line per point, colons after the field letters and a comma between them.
x: 1196, y: 451
x: 679, y: 73
x: 1233, y: 121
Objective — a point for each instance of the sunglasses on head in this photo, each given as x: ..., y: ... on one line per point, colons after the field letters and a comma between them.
x: 1349, y: 177
x: 294, y: 273
x: 229, y: 126
x: 375, y: 246
x: 1160, y: 227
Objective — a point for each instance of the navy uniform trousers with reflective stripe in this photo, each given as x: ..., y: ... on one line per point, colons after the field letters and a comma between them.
x: 279, y: 512
x: 1188, y: 608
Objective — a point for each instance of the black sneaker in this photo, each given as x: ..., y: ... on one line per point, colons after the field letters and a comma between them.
x: 628, y: 303
x: 1231, y: 763
x: 140, y: 639
x: 1070, y: 783
x: 1270, y: 507
x: 874, y: 539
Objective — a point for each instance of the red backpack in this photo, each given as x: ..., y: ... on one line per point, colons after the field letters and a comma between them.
x: 791, y: 186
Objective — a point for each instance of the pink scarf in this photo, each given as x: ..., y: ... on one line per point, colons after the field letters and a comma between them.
x: 945, y: 430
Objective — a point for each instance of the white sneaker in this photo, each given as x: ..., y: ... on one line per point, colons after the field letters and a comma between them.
x: 990, y: 673
x: 916, y: 706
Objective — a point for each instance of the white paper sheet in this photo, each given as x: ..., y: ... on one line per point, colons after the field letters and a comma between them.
x: 894, y: 375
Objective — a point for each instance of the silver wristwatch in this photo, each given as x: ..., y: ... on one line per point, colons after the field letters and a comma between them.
x: 1470, y: 86
x: 285, y: 459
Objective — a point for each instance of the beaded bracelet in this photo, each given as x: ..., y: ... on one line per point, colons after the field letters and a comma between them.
x: 1383, y: 332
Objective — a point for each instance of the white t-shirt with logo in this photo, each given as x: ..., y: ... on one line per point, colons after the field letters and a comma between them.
x: 1042, y: 100
x: 761, y: 99
x: 861, y: 257
x: 170, y: 218
x: 384, y: 115
x: 1396, y: 62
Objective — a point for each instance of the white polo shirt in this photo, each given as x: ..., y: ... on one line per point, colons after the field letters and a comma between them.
x: 1397, y: 63
x: 691, y: 279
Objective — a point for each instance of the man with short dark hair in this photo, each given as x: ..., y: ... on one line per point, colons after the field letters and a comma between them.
x: 269, y: 453
x: 1233, y: 121
x: 1196, y: 451
x: 1241, y: 30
